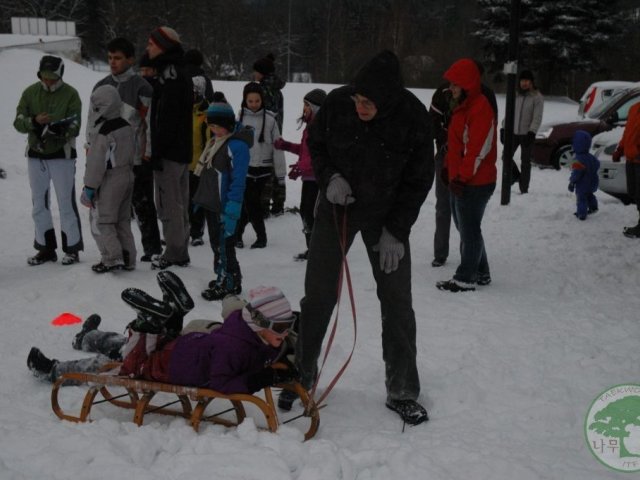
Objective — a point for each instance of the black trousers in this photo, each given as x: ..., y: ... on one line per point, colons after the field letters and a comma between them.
x: 252, y: 207
x: 308, y: 199
x: 394, y: 292
x: 225, y: 262
x: 145, y: 208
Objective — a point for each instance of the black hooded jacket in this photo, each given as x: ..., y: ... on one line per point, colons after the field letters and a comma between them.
x: 171, y: 120
x: 387, y: 161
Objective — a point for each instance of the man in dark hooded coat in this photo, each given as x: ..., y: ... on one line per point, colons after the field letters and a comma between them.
x: 372, y: 153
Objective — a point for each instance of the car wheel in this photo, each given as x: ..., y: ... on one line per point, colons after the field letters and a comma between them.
x: 563, y: 157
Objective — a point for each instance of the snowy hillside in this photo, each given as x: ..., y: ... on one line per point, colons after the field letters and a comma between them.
x: 508, y: 372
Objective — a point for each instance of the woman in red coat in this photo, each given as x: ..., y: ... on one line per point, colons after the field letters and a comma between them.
x: 471, y: 167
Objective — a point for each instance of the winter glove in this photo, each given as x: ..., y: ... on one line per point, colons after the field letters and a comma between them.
x: 444, y: 176
x: 339, y: 191
x: 617, y: 155
x: 86, y: 197
x: 230, y: 217
x: 531, y: 137
x: 572, y: 186
x: 391, y: 251
x: 281, y: 144
x: 294, y: 172
x: 456, y: 187
x: 268, y: 377
x: 502, y: 136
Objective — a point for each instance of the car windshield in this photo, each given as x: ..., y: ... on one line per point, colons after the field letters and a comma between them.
x: 596, y: 111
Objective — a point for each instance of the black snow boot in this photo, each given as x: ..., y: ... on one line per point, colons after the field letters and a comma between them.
x: 286, y: 399
x: 174, y: 292
x: 632, y: 232
x: 410, y: 411
x: 145, y: 304
x: 146, y: 323
x: 91, y: 323
x: 40, y: 366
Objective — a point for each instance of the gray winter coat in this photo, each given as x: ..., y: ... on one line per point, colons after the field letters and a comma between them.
x: 135, y: 93
x: 528, y: 112
x: 113, y: 146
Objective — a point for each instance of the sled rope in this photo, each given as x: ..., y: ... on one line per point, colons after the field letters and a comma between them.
x: 344, y: 272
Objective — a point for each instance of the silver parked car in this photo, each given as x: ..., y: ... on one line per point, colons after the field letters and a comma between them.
x: 613, y: 176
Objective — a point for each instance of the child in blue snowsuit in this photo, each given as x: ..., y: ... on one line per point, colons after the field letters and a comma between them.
x: 584, y: 175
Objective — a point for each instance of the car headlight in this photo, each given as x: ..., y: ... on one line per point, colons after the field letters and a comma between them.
x: 544, y: 134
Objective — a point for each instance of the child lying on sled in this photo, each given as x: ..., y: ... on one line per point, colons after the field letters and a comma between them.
x: 233, y: 358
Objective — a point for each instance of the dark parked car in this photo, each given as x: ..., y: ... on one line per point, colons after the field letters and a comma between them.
x: 552, y: 147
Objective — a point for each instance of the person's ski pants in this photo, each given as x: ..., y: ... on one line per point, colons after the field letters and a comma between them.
x: 61, y: 172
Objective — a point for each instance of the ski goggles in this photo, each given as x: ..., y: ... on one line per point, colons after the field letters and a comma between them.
x: 280, y: 326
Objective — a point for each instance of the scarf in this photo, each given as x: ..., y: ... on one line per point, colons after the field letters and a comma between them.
x: 212, y: 148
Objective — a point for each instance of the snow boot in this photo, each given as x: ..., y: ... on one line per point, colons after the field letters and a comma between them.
x: 39, y: 364
x: 102, y: 268
x: 43, y: 256
x: 91, y: 323
x: 455, y: 286
x: 483, y: 279
x: 219, y: 291
x: 301, y: 257
x: 286, y: 399
x: 70, y: 259
x: 632, y: 232
x: 148, y: 323
x: 162, y: 263
x: 410, y: 411
x: 174, y: 292
x: 260, y: 243
x: 143, y: 303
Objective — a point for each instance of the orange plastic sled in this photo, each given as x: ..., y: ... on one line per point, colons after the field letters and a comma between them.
x: 193, y: 400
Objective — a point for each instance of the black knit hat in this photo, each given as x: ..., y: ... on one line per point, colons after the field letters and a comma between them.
x: 526, y: 75
x: 316, y: 97
x: 221, y: 114
x: 51, y: 68
x: 265, y: 65
x: 380, y: 80
x: 193, y: 57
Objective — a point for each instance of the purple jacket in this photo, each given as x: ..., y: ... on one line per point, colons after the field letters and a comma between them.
x: 221, y: 360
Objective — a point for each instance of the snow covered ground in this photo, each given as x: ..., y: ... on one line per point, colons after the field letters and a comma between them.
x: 508, y: 372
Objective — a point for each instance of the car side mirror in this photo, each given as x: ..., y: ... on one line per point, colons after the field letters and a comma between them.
x: 613, y: 118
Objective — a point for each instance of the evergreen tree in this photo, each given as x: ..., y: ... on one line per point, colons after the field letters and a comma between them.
x: 557, y: 38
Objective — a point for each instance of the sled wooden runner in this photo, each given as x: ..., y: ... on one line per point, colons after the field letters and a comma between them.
x: 193, y: 401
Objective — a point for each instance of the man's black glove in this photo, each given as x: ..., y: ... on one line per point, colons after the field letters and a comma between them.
x: 502, y: 136
x: 531, y: 137
x: 268, y: 377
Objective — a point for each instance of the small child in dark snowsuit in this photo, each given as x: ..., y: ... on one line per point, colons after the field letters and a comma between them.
x: 584, y: 175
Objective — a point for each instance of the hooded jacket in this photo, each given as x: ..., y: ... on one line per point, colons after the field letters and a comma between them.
x: 584, y: 169
x: 171, y: 110
x: 387, y: 161
x: 135, y: 93
x: 113, y: 146
x: 471, y: 155
x: 224, y: 177
x: 222, y: 360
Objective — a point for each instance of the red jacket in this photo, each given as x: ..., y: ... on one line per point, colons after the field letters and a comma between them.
x: 471, y: 156
x: 629, y: 146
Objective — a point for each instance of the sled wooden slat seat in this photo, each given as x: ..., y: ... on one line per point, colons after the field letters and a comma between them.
x: 193, y: 401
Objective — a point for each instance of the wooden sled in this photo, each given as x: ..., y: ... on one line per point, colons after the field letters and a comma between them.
x: 193, y: 400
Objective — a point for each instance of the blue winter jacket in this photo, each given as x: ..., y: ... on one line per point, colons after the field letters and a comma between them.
x: 584, y: 169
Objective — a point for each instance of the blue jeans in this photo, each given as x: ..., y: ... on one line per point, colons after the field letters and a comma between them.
x: 467, y: 211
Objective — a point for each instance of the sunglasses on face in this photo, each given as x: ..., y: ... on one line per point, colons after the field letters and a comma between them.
x: 280, y: 326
